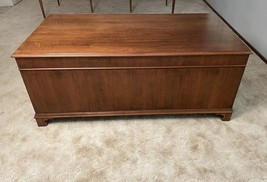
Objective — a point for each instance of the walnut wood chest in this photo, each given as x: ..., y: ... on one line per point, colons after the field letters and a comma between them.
x: 110, y: 65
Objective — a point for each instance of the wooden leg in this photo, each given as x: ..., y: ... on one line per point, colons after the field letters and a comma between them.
x: 58, y: 2
x: 166, y: 3
x: 131, y: 6
x: 42, y: 7
x: 42, y: 121
x: 91, y: 6
x: 226, y: 117
x: 173, y: 6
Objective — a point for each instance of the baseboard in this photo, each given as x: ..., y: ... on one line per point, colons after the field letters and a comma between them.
x: 240, y: 36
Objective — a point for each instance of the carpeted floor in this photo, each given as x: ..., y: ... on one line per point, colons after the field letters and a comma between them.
x: 4, y: 9
x: 165, y: 148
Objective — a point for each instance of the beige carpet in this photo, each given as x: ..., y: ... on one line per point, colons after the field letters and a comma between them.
x: 171, y: 148
x: 4, y: 9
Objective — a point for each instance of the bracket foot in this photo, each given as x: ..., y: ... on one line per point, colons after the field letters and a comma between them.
x: 226, y: 117
x: 42, y: 121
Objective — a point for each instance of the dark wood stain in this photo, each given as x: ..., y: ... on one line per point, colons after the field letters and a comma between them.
x: 110, y: 65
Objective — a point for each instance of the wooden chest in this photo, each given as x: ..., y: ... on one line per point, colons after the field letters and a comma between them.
x: 109, y: 65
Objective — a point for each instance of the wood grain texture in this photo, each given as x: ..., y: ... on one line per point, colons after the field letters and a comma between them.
x: 131, y: 35
x: 132, y: 89
x: 44, y: 118
x: 123, y: 62
x: 135, y: 80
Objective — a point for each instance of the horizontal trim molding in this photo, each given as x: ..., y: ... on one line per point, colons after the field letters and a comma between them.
x: 131, y: 68
x: 96, y: 55
x: 132, y: 113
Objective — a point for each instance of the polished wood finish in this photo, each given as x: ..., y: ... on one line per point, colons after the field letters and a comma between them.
x: 134, y: 35
x: 131, y: 65
x: 42, y: 121
x: 226, y: 116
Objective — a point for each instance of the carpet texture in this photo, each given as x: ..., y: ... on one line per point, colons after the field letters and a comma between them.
x: 165, y: 148
x: 3, y: 9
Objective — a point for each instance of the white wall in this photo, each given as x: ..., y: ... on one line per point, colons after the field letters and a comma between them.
x: 247, y: 17
x: 8, y: 2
